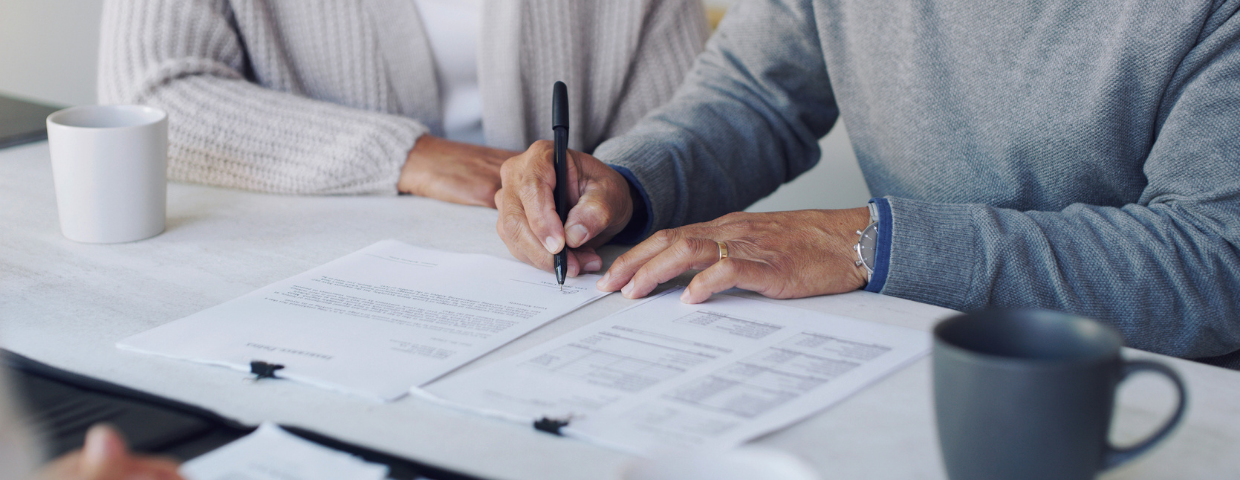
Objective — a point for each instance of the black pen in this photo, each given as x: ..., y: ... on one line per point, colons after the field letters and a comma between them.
x: 559, y: 123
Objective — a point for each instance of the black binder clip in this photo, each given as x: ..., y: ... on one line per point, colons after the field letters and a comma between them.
x: 263, y: 370
x: 551, y: 425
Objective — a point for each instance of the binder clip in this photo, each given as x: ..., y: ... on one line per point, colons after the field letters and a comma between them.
x: 262, y: 370
x: 551, y: 425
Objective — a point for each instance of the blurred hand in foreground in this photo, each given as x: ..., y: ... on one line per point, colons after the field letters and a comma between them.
x: 105, y: 457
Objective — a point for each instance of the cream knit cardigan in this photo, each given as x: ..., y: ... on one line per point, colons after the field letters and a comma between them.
x: 329, y: 96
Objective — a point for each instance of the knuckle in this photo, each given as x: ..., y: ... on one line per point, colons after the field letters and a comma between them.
x: 731, y: 268
x: 542, y: 145
x: 510, y: 224
x: 615, y: 184
x: 499, y: 198
x: 778, y: 292
x: 529, y: 192
x: 686, y: 247
x: 734, y: 218
x: 591, y: 212
x: 599, y: 213
x: 509, y: 169
x: 665, y: 237
x: 620, y: 264
x: 644, y: 276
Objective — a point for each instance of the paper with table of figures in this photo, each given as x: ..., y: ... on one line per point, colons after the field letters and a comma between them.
x: 663, y: 374
x: 374, y: 322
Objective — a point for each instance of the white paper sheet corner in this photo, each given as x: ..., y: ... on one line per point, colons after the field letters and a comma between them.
x: 271, y: 453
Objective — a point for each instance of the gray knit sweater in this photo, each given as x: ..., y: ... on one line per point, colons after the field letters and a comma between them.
x: 1078, y: 155
x: 329, y: 96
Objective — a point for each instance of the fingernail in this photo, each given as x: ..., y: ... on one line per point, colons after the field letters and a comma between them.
x: 684, y: 296
x: 594, y: 265
x: 627, y: 288
x: 577, y: 234
x: 551, y: 245
x: 602, y: 282
x: 98, y: 446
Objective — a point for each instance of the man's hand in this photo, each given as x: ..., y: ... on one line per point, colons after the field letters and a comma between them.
x: 105, y: 457
x: 453, y: 171
x: 528, y: 223
x: 780, y: 255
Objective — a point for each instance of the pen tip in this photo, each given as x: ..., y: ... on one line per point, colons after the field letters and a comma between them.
x: 561, y: 287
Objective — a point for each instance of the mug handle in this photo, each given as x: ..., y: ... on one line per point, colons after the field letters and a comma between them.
x: 1116, y: 456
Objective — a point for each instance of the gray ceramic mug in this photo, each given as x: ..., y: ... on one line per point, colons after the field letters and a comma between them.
x: 1024, y: 395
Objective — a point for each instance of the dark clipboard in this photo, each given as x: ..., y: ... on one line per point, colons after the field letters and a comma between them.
x: 62, y: 405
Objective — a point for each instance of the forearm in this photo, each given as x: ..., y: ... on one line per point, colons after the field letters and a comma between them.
x: 225, y: 130
x: 747, y: 119
x: 1163, y: 267
x: 234, y: 134
x: 1166, y: 280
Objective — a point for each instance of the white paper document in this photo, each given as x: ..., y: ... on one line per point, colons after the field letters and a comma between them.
x: 663, y: 374
x: 375, y: 322
x: 270, y: 453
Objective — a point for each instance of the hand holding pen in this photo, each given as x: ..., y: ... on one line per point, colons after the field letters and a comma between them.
x: 597, y: 198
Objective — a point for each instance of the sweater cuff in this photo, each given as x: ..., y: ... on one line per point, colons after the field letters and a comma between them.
x: 401, y: 148
x: 882, y: 249
x: 649, y: 171
x: 931, y: 252
x: 640, y: 223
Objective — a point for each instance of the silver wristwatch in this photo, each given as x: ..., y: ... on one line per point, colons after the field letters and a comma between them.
x: 866, y: 244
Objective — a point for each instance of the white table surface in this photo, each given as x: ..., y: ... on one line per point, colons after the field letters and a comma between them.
x: 66, y: 304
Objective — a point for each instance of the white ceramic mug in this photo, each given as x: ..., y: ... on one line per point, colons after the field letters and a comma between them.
x: 109, y: 163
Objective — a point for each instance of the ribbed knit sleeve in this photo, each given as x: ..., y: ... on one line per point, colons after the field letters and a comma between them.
x: 672, y: 35
x: 1164, y: 269
x: 620, y: 60
x: 187, y: 57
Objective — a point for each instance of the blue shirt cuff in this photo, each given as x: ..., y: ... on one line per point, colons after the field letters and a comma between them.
x: 643, y: 215
x: 882, y: 251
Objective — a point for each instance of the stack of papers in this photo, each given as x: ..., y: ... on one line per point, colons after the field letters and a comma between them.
x: 374, y: 322
x: 391, y: 318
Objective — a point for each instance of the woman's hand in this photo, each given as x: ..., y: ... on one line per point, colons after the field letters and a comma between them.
x: 105, y: 457
x: 453, y: 171
x: 779, y: 254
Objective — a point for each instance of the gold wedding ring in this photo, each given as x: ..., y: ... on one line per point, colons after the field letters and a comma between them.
x: 723, y: 250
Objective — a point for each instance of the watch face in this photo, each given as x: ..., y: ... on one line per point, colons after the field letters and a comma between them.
x: 869, y: 239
